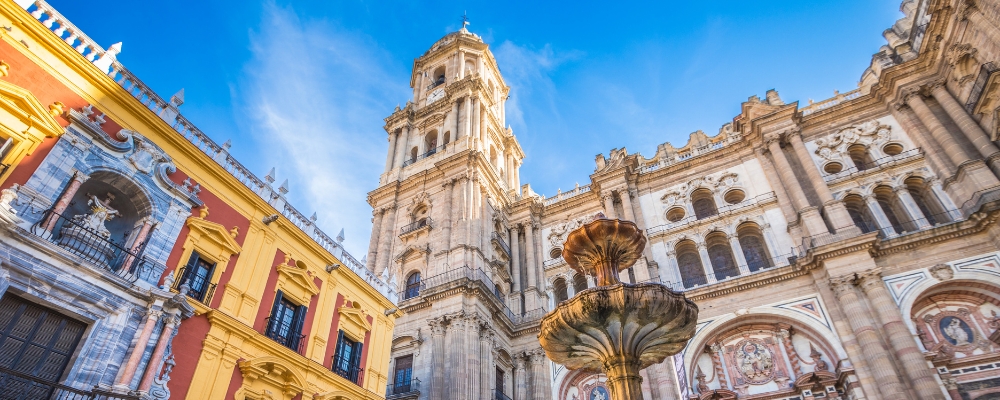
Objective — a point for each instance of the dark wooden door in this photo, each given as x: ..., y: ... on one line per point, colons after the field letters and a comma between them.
x: 35, y: 340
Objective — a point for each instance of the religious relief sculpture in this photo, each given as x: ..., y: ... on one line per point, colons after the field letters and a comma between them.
x: 956, y: 331
x: 754, y: 361
x: 871, y: 134
x: 100, y: 211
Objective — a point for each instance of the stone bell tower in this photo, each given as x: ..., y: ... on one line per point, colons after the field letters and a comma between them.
x: 440, y: 226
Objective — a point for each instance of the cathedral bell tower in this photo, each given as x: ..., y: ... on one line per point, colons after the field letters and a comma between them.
x: 440, y: 230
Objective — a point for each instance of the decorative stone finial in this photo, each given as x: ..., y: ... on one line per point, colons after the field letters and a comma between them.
x: 203, y: 213
x: 4, y: 69
x: 234, y: 232
x: 56, y: 109
x: 178, y: 98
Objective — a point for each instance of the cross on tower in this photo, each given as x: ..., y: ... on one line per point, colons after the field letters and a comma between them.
x: 465, y: 20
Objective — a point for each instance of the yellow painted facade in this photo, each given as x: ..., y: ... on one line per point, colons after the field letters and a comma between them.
x: 254, y: 259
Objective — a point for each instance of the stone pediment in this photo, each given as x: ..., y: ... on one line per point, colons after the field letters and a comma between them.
x: 213, y: 238
x: 353, y: 321
x: 411, y: 252
x: 21, y: 104
x: 296, y: 281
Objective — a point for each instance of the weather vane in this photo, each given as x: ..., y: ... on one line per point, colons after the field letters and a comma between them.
x: 465, y: 19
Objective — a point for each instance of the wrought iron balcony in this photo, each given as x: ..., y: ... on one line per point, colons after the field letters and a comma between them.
x: 201, y: 294
x: 419, y: 224
x: 429, y: 153
x: 17, y: 385
x: 502, y: 243
x: 403, y: 389
x: 291, y: 340
x: 94, y: 247
x: 354, y: 373
x: 498, y: 395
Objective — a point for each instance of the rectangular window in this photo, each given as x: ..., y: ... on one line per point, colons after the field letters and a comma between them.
x: 402, y: 375
x: 347, y: 358
x: 285, y: 323
x: 197, y: 274
x: 499, y: 385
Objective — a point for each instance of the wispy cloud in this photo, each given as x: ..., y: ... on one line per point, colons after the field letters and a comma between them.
x: 315, y: 95
x: 528, y: 72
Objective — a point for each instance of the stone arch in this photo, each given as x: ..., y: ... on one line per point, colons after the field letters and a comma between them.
x: 827, y: 340
x: 689, y: 263
x: 754, y: 245
x: 929, y: 285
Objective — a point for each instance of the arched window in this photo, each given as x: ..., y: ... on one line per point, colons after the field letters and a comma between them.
x: 689, y: 264
x: 559, y: 287
x: 932, y: 210
x: 703, y: 204
x: 858, y: 211
x: 579, y: 282
x: 720, y: 253
x: 859, y: 155
x: 754, y: 247
x: 413, y: 155
x: 890, y: 207
x: 431, y: 142
x: 438, y: 76
x: 412, y: 286
x: 447, y: 138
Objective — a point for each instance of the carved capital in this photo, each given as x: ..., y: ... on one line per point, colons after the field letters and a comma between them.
x: 80, y: 176
x: 772, y: 137
x: 842, y: 285
x: 870, y: 279
x: 935, y: 85
x: 910, y: 94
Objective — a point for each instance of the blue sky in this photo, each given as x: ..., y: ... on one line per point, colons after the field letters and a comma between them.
x: 303, y: 86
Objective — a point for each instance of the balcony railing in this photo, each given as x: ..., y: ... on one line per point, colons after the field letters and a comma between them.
x: 291, y: 340
x: 429, y: 153
x: 498, y: 395
x: 502, y: 243
x: 412, y: 290
x: 420, y: 223
x: 476, y: 274
x: 875, y: 164
x: 353, y: 373
x: 727, y: 209
x: 94, y: 247
x: 18, y: 386
x: 689, y: 283
x: 404, y: 388
x: 203, y: 294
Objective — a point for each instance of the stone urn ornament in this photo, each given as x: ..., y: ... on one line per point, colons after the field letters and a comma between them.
x: 615, y: 328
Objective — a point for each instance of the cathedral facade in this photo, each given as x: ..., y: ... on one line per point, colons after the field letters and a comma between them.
x: 844, y: 249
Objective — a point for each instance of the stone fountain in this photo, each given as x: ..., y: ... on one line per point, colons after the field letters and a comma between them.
x: 615, y: 328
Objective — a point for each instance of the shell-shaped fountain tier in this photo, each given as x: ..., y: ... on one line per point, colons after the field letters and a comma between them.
x: 639, y: 324
x: 604, y: 247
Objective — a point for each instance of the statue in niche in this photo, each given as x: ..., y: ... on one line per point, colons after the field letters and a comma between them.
x: 956, y: 331
x: 599, y: 393
x: 100, y: 211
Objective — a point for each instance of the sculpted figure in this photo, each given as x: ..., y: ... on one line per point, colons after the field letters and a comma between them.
x: 100, y: 211
x: 955, y: 331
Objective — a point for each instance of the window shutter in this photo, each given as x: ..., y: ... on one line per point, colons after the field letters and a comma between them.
x: 272, y: 326
x: 189, y: 269
x: 300, y: 319
x: 339, y: 352
x: 356, y: 355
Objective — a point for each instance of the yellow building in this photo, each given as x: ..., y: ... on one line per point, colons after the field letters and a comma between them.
x: 247, y: 298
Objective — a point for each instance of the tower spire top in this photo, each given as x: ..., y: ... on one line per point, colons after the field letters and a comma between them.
x: 465, y: 21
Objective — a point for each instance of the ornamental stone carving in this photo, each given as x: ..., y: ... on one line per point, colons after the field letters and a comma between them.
x: 870, y: 134
x: 941, y: 272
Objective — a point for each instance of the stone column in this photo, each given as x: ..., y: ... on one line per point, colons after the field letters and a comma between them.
x: 156, y: 360
x: 706, y: 263
x: 674, y: 270
x: 385, y: 239
x: 945, y: 200
x: 531, y: 300
x: 402, y: 146
x: 912, y: 210
x: 374, y: 240
x: 486, y: 366
x: 627, y: 205
x: 467, y: 126
x: 461, y: 64
x: 937, y: 130
x: 389, y: 158
x: 455, y: 371
x: 67, y: 196
x: 836, y: 212
x: 665, y: 379
x: 438, y: 360
x: 980, y: 140
x: 921, y: 137
x: 772, y: 246
x: 784, y: 202
x: 135, y: 357
x: 449, y: 190
x: 520, y: 380
x: 883, y: 222
x: 140, y: 239
x: 912, y: 359
x: 609, y: 206
x: 515, y: 255
x: 741, y: 260
x: 539, y: 380
x: 810, y: 217
x: 473, y: 362
x: 889, y: 383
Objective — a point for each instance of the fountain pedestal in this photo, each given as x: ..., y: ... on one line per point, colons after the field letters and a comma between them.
x: 616, y: 328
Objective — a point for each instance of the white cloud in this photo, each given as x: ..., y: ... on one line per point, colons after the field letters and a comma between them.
x: 314, y: 96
